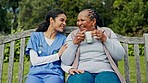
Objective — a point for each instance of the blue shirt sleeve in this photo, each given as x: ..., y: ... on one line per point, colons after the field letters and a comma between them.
x: 32, y: 43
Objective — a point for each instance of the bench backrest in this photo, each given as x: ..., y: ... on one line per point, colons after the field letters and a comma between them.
x: 126, y: 41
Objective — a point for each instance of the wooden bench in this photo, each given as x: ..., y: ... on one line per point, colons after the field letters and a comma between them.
x: 126, y: 41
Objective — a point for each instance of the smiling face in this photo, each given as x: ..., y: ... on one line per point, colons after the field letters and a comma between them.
x: 84, y: 22
x: 59, y: 22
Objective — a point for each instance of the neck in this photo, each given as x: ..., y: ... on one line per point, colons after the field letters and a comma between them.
x: 50, y: 33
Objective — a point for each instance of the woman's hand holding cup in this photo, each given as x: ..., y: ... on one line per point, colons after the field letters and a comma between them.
x: 99, y: 35
x: 80, y: 36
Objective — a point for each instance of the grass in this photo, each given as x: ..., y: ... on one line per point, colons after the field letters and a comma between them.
x: 15, y: 71
x: 132, y: 67
x: 121, y: 68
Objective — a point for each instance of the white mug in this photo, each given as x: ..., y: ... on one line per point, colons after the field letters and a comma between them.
x: 88, y: 37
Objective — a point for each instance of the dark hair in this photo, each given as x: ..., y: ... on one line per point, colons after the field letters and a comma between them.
x: 94, y: 15
x: 52, y: 13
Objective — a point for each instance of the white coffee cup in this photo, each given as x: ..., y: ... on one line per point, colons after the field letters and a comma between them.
x: 88, y: 37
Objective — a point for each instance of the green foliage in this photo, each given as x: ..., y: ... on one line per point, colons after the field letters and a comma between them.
x: 33, y: 12
x: 124, y: 17
x: 4, y: 20
x: 16, y: 49
x: 72, y: 8
x: 128, y: 18
x: 8, y: 14
x: 6, y: 52
x: 16, y: 52
x: 131, y: 50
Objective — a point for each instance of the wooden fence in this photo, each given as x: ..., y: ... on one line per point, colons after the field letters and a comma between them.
x: 126, y: 41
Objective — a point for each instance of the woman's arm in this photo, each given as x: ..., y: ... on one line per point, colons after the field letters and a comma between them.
x: 65, y: 67
x: 68, y: 55
x: 114, y: 47
x: 70, y: 69
x: 36, y: 60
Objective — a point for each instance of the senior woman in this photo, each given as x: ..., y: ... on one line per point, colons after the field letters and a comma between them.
x: 88, y: 61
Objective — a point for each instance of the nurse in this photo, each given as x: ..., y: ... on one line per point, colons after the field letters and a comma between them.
x: 45, y: 48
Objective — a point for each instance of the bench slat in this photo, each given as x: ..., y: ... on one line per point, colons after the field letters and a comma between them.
x: 16, y: 36
x: 126, y: 64
x: 11, y: 62
x: 146, y: 54
x: 1, y: 61
x: 136, y: 54
x: 21, y: 61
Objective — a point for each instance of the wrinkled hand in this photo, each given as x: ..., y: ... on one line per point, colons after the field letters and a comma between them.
x: 99, y: 35
x: 73, y: 71
x: 79, y: 37
x: 62, y: 49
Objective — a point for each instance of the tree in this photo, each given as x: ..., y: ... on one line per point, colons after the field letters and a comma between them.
x: 33, y: 12
x: 9, y: 11
x: 128, y: 17
x: 4, y: 20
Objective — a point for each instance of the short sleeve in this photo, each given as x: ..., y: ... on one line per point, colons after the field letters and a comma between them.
x: 32, y: 43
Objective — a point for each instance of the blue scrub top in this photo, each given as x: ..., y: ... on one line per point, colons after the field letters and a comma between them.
x: 38, y: 43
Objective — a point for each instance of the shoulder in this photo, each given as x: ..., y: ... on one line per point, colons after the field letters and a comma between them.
x: 74, y: 32
x: 107, y: 30
x: 61, y: 35
x: 35, y: 35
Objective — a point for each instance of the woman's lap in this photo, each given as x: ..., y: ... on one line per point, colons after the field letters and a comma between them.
x: 49, y: 79
x: 81, y: 78
x: 33, y: 79
x: 103, y: 77
x: 107, y: 77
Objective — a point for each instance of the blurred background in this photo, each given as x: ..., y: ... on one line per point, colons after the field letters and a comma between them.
x: 125, y: 17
